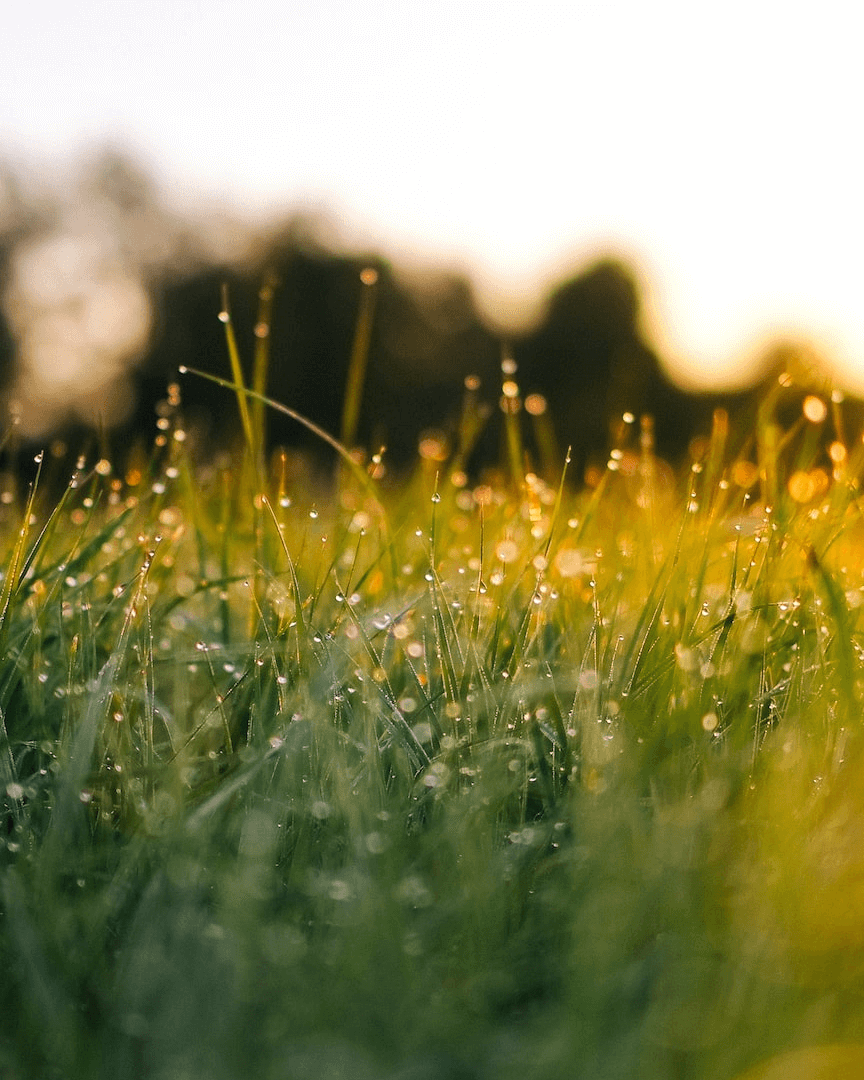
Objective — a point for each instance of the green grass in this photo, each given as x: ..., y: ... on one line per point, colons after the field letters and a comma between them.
x: 431, y: 780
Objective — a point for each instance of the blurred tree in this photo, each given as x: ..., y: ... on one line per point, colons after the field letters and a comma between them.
x: 588, y: 355
x: 424, y: 341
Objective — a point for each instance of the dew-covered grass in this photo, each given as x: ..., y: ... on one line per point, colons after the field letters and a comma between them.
x: 450, y: 778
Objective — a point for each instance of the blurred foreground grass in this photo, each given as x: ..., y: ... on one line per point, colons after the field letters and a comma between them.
x: 441, y: 780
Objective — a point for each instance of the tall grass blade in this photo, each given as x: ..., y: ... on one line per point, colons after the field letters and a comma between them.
x: 357, y: 364
x: 237, y: 371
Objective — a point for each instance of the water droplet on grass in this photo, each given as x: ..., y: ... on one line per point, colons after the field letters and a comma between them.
x: 377, y: 843
x: 340, y: 890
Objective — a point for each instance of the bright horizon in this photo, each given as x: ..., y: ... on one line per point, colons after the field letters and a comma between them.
x: 715, y: 147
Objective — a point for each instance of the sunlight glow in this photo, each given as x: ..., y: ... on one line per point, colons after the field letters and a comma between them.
x: 715, y: 146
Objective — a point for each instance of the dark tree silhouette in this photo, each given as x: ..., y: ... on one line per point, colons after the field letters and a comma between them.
x: 590, y: 358
x: 588, y: 355
x: 422, y: 345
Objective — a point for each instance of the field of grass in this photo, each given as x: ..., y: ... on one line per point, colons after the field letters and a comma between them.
x: 436, y: 780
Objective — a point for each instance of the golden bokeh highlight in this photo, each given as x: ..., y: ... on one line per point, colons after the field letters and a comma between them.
x: 744, y: 474
x: 837, y: 452
x: 433, y: 446
x: 535, y: 405
x: 814, y: 409
x: 804, y: 487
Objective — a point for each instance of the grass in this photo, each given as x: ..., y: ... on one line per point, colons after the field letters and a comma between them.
x: 436, y: 780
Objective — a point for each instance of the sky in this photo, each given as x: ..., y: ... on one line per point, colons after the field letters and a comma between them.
x: 715, y: 144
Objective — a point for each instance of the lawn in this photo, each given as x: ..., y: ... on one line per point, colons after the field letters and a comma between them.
x: 510, y: 776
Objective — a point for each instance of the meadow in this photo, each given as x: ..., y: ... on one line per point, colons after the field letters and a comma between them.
x: 461, y: 776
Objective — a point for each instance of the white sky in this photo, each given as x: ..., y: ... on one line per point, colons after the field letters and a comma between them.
x: 718, y: 143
